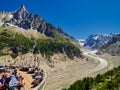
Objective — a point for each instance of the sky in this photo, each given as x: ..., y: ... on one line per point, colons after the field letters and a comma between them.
x: 78, y: 18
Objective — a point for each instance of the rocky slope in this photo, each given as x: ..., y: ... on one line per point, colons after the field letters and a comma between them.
x: 112, y: 47
x: 96, y: 41
x: 23, y: 19
x: 5, y: 16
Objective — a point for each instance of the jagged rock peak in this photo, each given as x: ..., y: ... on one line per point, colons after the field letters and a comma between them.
x: 21, y: 13
x: 22, y: 9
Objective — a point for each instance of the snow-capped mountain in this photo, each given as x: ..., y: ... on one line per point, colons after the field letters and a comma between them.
x: 112, y: 47
x: 81, y: 42
x: 96, y: 41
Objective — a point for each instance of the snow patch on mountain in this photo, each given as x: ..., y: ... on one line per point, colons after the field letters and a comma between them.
x: 96, y: 41
x: 96, y: 37
x: 81, y: 42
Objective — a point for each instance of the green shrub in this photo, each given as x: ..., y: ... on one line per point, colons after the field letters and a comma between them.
x: 47, y: 47
x: 100, y: 82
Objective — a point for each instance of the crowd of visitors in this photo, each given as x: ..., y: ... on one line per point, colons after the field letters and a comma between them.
x: 11, y: 79
x: 38, y: 77
x: 38, y: 74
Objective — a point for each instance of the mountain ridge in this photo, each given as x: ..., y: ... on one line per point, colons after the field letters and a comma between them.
x: 16, y: 43
x: 95, y: 41
x: 23, y: 19
x: 16, y: 37
x: 112, y: 47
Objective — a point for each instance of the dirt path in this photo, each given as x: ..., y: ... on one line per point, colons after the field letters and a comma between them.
x: 28, y: 79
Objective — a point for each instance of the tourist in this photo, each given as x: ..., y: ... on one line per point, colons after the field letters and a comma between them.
x: 15, y: 72
x: 13, y: 82
x: 21, y: 83
x: 6, y: 84
x: 18, y: 75
x: 2, y: 80
x: 35, y: 82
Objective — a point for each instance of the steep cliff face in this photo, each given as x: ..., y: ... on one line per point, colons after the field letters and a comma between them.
x: 112, y: 47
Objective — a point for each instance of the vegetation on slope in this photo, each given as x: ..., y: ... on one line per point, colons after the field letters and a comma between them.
x: 50, y: 46
x: 19, y: 44
x: 107, y: 81
x: 16, y: 44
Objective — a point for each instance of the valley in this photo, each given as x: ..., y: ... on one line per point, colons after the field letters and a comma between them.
x: 108, y: 63
x: 60, y: 78
x: 26, y: 39
x: 65, y: 73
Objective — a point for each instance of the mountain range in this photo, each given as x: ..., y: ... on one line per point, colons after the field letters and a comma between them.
x: 23, y: 19
x: 22, y: 32
x: 96, y: 41
x: 112, y: 47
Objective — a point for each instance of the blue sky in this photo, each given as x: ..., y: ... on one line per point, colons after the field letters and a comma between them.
x: 78, y: 18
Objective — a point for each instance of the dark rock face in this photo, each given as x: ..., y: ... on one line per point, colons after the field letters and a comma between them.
x: 96, y: 41
x: 21, y: 13
x: 112, y: 47
x: 23, y: 19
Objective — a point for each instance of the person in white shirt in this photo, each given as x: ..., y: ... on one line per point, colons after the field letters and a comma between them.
x: 13, y: 82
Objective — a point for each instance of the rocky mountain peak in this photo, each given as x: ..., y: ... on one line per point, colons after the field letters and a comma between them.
x: 23, y: 19
x: 23, y: 7
x: 21, y: 13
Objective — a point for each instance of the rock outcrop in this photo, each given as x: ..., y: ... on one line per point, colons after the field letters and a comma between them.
x: 112, y: 47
